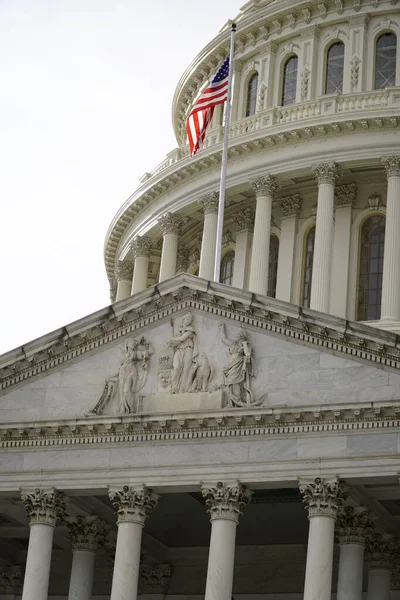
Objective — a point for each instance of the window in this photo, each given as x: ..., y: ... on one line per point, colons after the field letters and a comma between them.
x: 251, y: 101
x: 289, y: 81
x: 273, y: 265
x: 227, y: 263
x: 385, y: 59
x: 372, y: 241
x: 308, y: 266
x: 334, y: 69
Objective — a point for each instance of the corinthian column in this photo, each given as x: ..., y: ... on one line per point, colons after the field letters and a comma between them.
x: 132, y: 505
x: 290, y: 211
x: 326, y: 175
x: 87, y: 535
x: 207, y: 256
x: 381, y: 553
x: 170, y: 224
x: 44, y: 508
x: 264, y: 188
x: 225, y: 503
x: 354, y: 524
x: 322, y: 499
x: 123, y: 275
x: 141, y: 247
x: 244, y: 225
x: 390, y: 307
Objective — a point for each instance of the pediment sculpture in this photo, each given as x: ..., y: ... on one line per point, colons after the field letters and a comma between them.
x: 130, y: 379
x: 184, y: 375
x: 240, y: 370
x: 182, y: 369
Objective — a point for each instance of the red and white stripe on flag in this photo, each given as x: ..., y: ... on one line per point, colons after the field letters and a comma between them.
x: 202, y: 112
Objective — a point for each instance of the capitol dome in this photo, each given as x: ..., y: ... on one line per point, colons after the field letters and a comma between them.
x: 235, y: 439
x: 313, y: 158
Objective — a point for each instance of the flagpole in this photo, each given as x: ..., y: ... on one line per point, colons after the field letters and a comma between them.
x: 221, y: 203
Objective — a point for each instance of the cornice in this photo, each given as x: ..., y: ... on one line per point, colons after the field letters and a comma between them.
x: 172, y: 175
x: 183, y: 292
x: 181, y: 426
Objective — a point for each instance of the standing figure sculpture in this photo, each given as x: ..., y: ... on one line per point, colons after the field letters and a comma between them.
x: 132, y: 373
x: 238, y: 371
x: 185, y: 353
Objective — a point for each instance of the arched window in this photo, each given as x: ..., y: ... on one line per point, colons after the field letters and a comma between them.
x: 334, y: 69
x: 251, y: 100
x: 289, y: 81
x: 227, y: 264
x: 385, y: 61
x: 369, y: 292
x: 273, y: 265
x: 308, y: 266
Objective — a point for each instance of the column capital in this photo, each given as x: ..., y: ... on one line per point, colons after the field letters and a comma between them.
x: 86, y: 533
x: 266, y: 185
x: 290, y: 206
x: 244, y: 220
x: 10, y: 579
x: 381, y: 550
x: 209, y: 202
x: 327, y: 173
x: 170, y: 223
x: 354, y: 524
x: 141, y: 246
x: 391, y: 164
x: 133, y: 505
x: 155, y: 577
x: 322, y: 497
x: 124, y: 270
x: 345, y: 195
x: 226, y: 501
x: 44, y: 506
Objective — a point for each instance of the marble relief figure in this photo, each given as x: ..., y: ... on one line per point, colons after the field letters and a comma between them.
x: 132, y: 373
x: 240, y: 369
x: 184, y: 362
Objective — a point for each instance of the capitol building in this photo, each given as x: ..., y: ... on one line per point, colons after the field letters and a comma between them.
x: 240, y: 439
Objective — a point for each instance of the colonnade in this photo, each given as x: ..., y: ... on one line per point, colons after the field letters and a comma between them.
x: 225, y: 502
x: 256, y: 253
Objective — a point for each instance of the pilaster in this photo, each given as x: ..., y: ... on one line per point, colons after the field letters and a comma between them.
x: 10, y: 579
x: 356, y: 54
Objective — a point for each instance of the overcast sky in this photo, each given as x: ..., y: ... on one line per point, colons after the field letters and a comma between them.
x: 85, y: 110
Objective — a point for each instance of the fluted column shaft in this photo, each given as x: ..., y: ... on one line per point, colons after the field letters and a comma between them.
x: 123, y: 274
x: 322, y: 499
x: 141, y: 247
x: 381, y: 554
x: 207, y: 255
x: 132, y: 506
x: 265, y: 188
x: 44, y: 508
x: 353, y: 525
x: 225, y: 504
x: 170, y: 225
x: 244, y: 224
x: 390, y: 306
x: 87, y: 535
x: 326, y: 175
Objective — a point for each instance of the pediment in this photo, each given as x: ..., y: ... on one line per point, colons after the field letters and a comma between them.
x: 188, y: 345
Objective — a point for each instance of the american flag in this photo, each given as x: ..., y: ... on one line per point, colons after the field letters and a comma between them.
x: 202, y: 112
